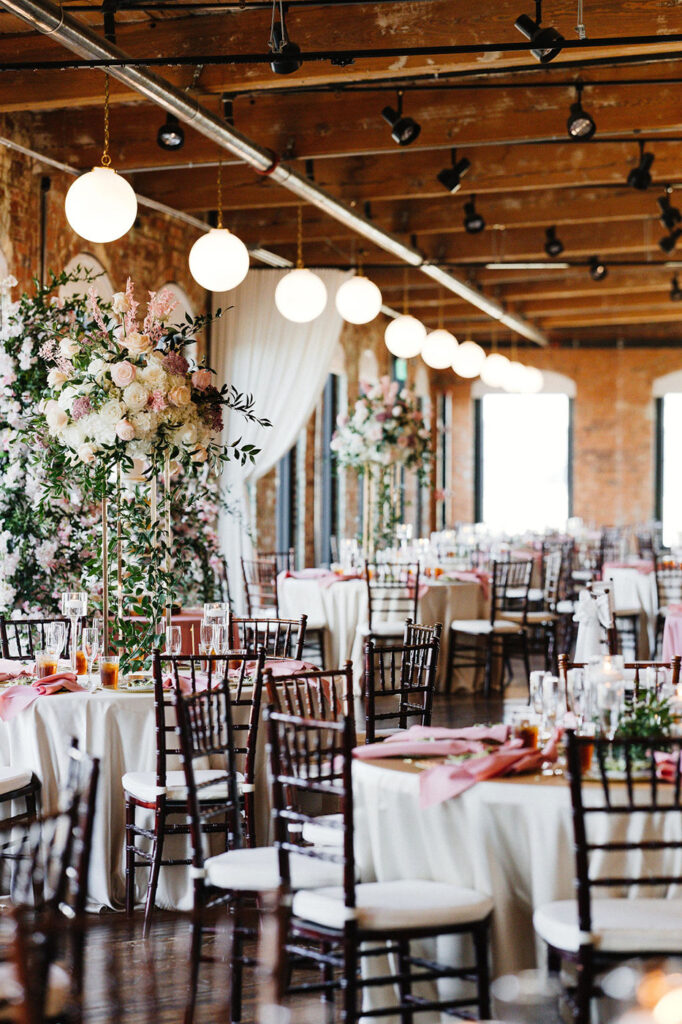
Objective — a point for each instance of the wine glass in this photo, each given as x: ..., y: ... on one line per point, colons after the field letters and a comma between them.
x: 74, y: 607
x: 220, y: 640
x: 173, y: 640
x: 55, y: 638
x: 580, y: 696
x: 90, y: 645
x: 535, y: 686
x: 610, y: 694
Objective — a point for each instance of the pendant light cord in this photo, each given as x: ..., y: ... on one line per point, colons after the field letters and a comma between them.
x: 405, y: 291
x: 299, y: 240
x: 106, y: 159
x: 440, y: 309
x: 220, y: 193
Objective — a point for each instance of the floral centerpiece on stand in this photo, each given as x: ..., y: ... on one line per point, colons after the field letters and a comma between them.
x: 384, y: 434
x: 125, y: 411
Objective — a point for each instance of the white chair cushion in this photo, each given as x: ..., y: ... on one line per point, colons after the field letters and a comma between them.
x: 386, y: 628
x: 142, y: 785
x: 533, y: 618
x: 413, y: 903
x: 566, y: 607
x: 482, y: 627
x: 58, y: 992
x: 535, y: 594
x: 258, y: 870
x: 618, y: 925
x: 583, y: 574
x: 14, y: 778
x: 322, y: 831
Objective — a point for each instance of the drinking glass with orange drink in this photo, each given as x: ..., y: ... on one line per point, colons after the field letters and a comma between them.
x: 108, y: 671
x: 47, y: 664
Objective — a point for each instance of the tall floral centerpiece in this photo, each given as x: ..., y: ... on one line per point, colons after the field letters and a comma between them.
x: 125, y: 406
x: 384, y: 434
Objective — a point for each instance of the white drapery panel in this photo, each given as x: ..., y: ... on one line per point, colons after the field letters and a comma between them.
x: 284, y: 365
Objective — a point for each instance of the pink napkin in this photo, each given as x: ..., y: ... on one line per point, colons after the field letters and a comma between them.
x: 281, y: 668
x: 10, y: 669
x: 427, y: 741
x: 305, y: 574
x: 674, y: 609
x: 642, y: 565
x: 17, y: 698
x: 334, y: 577
x: 665, y: 765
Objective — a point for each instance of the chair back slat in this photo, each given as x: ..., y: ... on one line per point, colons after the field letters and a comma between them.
x: 285, y: 560
x: 621, y: 841
x: 509, y: 587
x: 260, y: 586
x: 21, y: 638
x: 399, y: 683
x: 392, y: 591
x: 552, y: 565
x: 318, y: 694
x: 279, y: 638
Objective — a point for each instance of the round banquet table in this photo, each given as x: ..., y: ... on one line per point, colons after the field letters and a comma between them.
x: 509, y: 838
x: 342, y: 606
x: 119, y: 728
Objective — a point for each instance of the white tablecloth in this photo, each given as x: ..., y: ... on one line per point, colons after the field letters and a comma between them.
x: 119, y: 728
x: 635, y: 589
x: 342, y: 606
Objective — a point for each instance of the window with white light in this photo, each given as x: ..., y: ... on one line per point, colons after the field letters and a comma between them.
x: 669, y: 476
x: 524, y: 444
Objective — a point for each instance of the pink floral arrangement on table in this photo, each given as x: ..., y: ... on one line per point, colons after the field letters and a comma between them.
x: 386, y: 428
x: 128, y: 386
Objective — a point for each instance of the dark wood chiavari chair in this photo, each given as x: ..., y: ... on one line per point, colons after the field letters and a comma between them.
x: 477, y: 643
x: 399, y: 684
x: 21, y: 638
x: 392, y: 597
x: 636, y: 667
x: 238, y: 875
x: 622, y: 848
x: 337, y: 928
x: 285, y: 560
x: 668, y: 590
x: 542, y: 623
x: 260, y: 587
x: 163, y: 790
x: 47, y: 864
x: 279, y: 638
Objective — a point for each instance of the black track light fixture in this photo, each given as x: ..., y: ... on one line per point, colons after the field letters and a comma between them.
x: 640, y: 176
x: 285, y: 53
x: 580, y: 125
x: 451, y: 177
x: 171, y: 134
x: 668, y: 242
x: 553, y: 245
x: 473, y: 221
x: 598, y: 270
x: 670, y: 215
x: 404, y: 130
x: 675, y: 290
x: 545, y: 43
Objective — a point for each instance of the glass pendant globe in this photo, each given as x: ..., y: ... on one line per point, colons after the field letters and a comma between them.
x: 101, y: 206
x: 494, y: 370
x: 535, y: 380
x: 405, y: 336
x: 301, y: 296
x: 438, y: 350
x: 219, y: 261
x: 358, y: 300
x: 516, y: 378
x: 469, y: 359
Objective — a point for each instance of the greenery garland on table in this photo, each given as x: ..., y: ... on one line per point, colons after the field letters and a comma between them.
x: 60, y: 350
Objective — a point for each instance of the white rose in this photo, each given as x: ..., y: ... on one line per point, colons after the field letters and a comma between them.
x: 120, y: 303
x: 56, y: 378
x: 112, y: 411
x: 86, y: 453
x: 73, y: 435
x: 154, y: 375
x: 135, y: 396
x: 187, y: 435
x: 97, y: 368
x: 56, y: 418
x: 143, y: 424
x: 68, y: 347
x: 103, y: 431
x: 67, y: 398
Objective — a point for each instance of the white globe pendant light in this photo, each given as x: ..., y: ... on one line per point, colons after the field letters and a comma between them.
x: 469, y: 359
x: 516, y: 377
x: 219, y: 261
x: 535, y: 380
x: 494, y: 370
x: 100, y: 205
x: 439, y: 348
x: 405, y: 336
x: 301, y: 295
x: 358, y: 300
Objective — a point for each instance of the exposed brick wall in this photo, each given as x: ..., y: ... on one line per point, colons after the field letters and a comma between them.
x: 614, y: 426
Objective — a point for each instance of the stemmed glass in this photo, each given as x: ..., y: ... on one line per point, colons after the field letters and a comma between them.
x: 173, y: 640
x: 74, y: 607
x: 610, y: 694
x: 90, y: 644
x: 55, y: 638
x: 220, y: 641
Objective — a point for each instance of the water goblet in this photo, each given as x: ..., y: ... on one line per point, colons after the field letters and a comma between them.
x: 173, y: 640
x: 55, y: 638
x: 610, y: 694
x: 206, y: 636
x: 221, y: 638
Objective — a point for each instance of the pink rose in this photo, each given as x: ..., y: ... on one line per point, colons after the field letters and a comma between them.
x: 201, y: 379
x: 125, y: 430
x: 123, y: 374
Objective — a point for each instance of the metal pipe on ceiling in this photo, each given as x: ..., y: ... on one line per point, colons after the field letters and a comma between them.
x: 80, y: 39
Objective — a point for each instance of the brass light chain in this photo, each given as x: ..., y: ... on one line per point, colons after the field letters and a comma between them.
x: 220, y: 193
x: 299, y: 239
x: 106, y: 159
